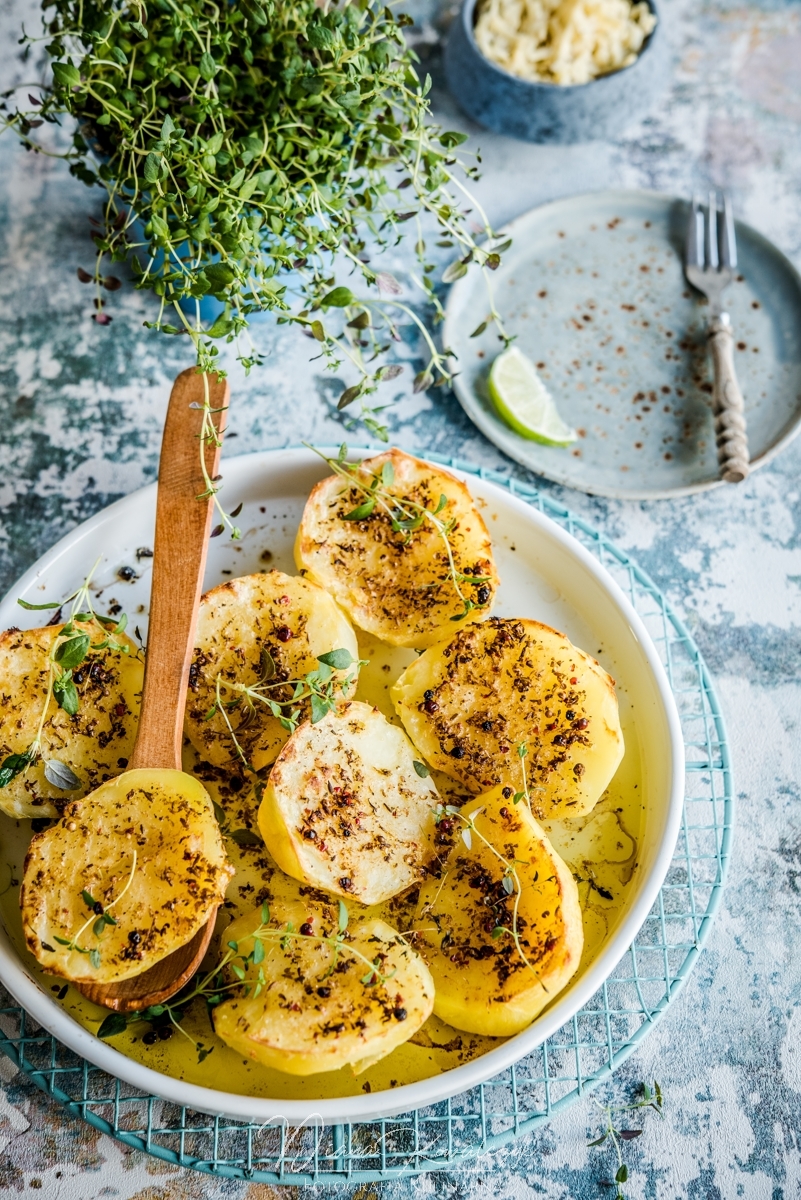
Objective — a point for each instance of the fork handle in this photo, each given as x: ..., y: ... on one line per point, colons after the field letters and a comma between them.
x: 727, y: 402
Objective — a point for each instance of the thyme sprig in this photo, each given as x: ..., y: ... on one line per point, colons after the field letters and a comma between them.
x: 510, y: 879
x: 99, y: 918
x: 652, y: 1097
x: 215, y: 985
x: 406, y: 516
x: 86, y: 632
x: 247, y: 151
x: 319, y: 686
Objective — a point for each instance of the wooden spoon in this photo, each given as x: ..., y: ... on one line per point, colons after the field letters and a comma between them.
x: 183, y: 524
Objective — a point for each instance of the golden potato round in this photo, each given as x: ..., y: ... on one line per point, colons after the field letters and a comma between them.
x: 346, y: 810
x: 95, y: 743
x: 396, y: 584
x: 292, y: 619
x: 469, y: 705
x: 301, y: 1016
x: 484, y: 981
x: 146, y: 849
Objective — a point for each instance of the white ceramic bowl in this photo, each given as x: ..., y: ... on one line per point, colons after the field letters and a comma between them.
x: 546, y: 574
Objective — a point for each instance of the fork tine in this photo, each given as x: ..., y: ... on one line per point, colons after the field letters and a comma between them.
x: 712, y: 233
x: 694, y: 252
x: 728, y: 243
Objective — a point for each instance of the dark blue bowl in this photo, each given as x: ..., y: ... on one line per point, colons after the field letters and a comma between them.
x: 550, y: 112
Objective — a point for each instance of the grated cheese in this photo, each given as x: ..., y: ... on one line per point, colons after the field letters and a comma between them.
x: 562, y: 41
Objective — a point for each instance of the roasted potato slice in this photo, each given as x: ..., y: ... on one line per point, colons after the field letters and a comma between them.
x: 487, y: 980
x: 95, y: 743
x: 268, y: 627
x: 314, y: 1006
x: 470, y: 704
x: 345, y: 808
x: 144, y: 850
x: 396, y: 583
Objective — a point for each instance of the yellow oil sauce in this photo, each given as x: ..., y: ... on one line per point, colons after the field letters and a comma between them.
x: 601, y: 850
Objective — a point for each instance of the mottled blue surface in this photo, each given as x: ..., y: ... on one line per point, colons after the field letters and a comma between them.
x: 81, y: 414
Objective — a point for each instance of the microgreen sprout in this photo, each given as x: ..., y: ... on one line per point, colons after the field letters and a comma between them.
x: 510, y: 879
x: 85, y: 632
x: 321, y: 687
x: 651, y: 1097
x: 100, y: 916
x: 405, y: 515
x: 215, y: 985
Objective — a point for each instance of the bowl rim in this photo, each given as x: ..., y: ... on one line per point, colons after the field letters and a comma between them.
x: 371, y: 1106
x: 468, y: 23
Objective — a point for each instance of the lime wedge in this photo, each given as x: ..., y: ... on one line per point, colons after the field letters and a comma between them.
x: 524, y: 402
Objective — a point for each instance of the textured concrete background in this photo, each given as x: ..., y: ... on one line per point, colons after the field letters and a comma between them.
x: 80, y: 415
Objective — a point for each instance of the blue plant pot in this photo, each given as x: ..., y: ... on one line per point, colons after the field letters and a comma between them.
x: 548, y: 112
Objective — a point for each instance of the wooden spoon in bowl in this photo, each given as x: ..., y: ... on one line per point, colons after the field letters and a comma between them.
x: 50, y: 895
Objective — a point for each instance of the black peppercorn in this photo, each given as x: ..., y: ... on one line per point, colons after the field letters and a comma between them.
x: 134, y: 937
x: 483, y: 594
x: 428, y: 694
x: 97, y: 908
x: 507, y: 791
x: 284, y: 633
x: 457, y: 752
x: 306, y: 929
x: 150, y: 1037
x: 400, y: 1014
x: 127, y: 573
x: 486, y: 726
x: 323, y: 992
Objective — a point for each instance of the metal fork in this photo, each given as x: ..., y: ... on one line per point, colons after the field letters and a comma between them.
x: 710, y: 262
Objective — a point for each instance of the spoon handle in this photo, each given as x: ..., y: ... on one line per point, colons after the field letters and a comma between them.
x: 183, y: 523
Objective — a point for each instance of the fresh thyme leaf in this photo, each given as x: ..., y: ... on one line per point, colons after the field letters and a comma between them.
x: 14, y: 764
x: 71, y: 653
x: 245, y: 837
x: 88, y: 899
x: 61, y: 776
x: 40, y: 607
x: 112, y: 1025
x: 61, y: 941
x: 422, y: 770
x: 343, y: 917
x: 265, y: 913
x: 340, y: 297
x: 340, y: 660
x: 361, y: 511
x: 203, y: 1052
x: 320, y: 707
x: 258, y: 951
x: 94, y: 958
x: 266, y: 665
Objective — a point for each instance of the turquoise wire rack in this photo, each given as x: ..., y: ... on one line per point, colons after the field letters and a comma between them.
x: 582, y: 1054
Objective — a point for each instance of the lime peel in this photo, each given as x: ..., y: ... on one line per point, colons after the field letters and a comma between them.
x: 523, y: 401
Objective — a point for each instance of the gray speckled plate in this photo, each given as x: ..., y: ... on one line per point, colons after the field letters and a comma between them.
x: 593, y: 288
